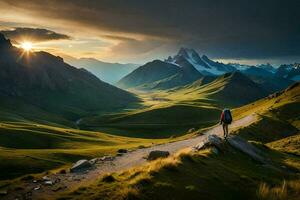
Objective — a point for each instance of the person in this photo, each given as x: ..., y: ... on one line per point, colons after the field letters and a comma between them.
x: 225, y: 120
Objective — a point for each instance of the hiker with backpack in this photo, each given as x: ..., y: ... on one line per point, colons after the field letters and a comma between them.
x: 226, y: 119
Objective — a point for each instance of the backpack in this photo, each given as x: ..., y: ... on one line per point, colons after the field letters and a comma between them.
x: 227, y: 116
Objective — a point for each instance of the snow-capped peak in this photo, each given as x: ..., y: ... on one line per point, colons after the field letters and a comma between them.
x: 202, y: 64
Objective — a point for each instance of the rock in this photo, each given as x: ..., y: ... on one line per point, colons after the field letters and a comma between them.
x: 157, y: 154
x: 191, y: 130
x: 122, y: 151
x: 3, y: 192
x: 46, y: 178
x: 107, y: 158
x: 37, y: 187
x: 48, y: 183
x: 215, y: 150
x: 93, y: 161
x: 247, y: 148
x: 80, y: 165
x: 120, y: 154
x: 211, y: 141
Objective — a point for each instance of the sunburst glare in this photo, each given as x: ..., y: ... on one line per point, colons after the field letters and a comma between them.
x: 27, y: 46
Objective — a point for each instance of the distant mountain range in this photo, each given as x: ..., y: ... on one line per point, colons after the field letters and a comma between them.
x: 107, y: 72
x: 187, y: 66
x: 45, y: 81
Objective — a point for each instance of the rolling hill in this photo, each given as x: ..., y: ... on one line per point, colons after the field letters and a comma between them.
x: 229, y: 90
x: 45, y: 81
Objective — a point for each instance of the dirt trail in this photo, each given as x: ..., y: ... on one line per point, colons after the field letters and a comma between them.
x: 127, y: 161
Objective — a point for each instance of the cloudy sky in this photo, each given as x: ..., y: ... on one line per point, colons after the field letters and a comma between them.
x: 248, y: 31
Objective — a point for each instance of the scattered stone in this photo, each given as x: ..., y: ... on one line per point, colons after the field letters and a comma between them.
x: 48, y: 183
x: 191, y: 130
x: 107, y: 158
x: 34, y: 181
x: 93, y: 161
x: 122, y: 151
x: 3, y: 192
x: 37, y: 188
x: 120, y: 154
x: 153, y: 155
x: 46, y: 178
x: 80, y: 165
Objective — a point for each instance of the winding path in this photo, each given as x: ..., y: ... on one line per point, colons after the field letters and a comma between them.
x: 70, y: 181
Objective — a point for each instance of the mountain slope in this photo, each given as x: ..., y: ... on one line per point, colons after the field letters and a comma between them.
x: 291, y: 71
x: 160, y: 75
x: 43, y: 80
x: 232, y: 89
x: 203, y: 64
x: 107, y: 72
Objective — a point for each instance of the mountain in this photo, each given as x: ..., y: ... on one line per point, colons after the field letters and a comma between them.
x: 267, y: 67
x: 229, y: 90
x: 203, y: 64
x: 107, y: 72
x: 257, y: 71
x: 289, y: 71
x: 160, y: 75
x: 45, y: 81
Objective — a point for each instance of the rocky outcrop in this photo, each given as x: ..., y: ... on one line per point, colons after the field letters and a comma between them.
x: 80, y: 165
x: 153, y: 155
x: 247, y: 148
x: 211, y: 141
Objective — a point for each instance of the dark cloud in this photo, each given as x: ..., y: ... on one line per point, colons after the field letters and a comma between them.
x: 33, y: 34
x: 219, y: 28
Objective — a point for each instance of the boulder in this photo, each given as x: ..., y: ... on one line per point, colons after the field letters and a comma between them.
x: 247, y: 148
x: 211, y: 141
x: 93, y: 161
x: 153, y: 155
x: 122, y: 151
x: 80, y: 165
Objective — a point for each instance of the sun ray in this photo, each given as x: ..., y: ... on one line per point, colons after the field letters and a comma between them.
x: 27, y: 46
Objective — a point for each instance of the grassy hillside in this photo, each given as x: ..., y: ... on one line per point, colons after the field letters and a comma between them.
x: 45, y: 81
x: 201, y: 175
x: 147, y: 74
x: 44, y: 147
x: 229, y: 174
x: 229, y: 90
x: 154, y: 122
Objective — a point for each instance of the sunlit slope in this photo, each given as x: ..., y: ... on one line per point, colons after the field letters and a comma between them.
x: 229, y: 90
x: 230, y: 174
x: 43, y: 80
x: 155, y: 122
x: 279, y: 116
x: 41, y: 147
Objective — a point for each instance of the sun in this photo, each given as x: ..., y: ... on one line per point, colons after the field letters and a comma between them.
x: 27, y: 46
